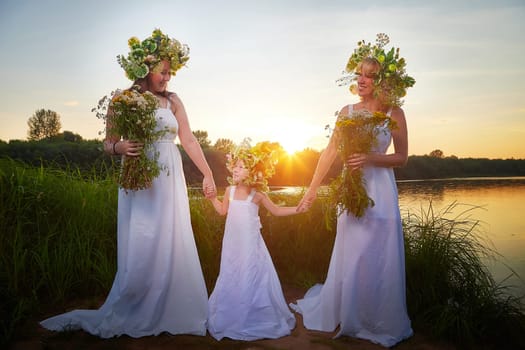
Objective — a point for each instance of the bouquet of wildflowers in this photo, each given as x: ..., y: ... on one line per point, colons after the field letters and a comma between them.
x: 131, y: 115
x: 356, y: 134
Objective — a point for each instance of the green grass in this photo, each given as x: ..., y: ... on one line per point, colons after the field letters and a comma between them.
x: 449, y: 290
x: 58, y: 245
x: 56, y: 239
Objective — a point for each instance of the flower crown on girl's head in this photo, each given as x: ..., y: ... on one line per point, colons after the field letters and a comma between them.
x: 260, y: 160
x: 145, y: 56
x: 391, y: 81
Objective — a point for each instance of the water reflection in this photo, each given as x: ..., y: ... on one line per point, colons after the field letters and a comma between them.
x: 499, y: 202
x: 435, y: 189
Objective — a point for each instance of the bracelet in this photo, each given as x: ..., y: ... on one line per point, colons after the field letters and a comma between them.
x: 114, y: 150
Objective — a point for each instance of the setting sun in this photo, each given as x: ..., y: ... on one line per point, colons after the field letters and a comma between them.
x: 293, y: 144
x: 293, y: 137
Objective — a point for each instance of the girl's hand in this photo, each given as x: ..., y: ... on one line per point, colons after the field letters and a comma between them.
x: 307, y: 200
x: 128, y: 148
x: 356, y: 161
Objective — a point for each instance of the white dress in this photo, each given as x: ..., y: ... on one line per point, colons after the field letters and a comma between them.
x: 247, y: 302
x: 159, y: 286
x: 364, y: 292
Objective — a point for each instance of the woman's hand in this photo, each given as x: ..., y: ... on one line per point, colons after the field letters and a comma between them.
x: 128, y: 148
x: 208, y: 187
x: 356, y: 161
x: 307, y: 200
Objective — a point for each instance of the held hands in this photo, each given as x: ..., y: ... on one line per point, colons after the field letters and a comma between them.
x: 208, y: 187
x: 307, y: 200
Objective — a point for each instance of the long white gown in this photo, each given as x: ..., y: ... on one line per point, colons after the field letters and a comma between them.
x: 159, y: 286
x: 364, y: 292
x: 247, y: 302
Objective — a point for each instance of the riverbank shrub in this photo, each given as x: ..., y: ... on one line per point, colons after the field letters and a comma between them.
x: 449, y: 289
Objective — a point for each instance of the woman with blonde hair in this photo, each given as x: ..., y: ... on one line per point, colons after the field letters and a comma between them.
x: 364, y: 292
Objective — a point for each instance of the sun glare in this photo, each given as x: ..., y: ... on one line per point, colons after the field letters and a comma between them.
x: 293, y: 137
x: 292, y: 144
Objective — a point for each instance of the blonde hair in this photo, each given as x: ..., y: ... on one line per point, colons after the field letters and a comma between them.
x: 371, y: 68
x: 368, y: 64
x: 390, y: 78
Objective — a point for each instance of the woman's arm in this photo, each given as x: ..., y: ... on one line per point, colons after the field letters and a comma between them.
x: 113, y: 145
x: 192, y: 147
x: 111, y: 140
x: 323, y: 165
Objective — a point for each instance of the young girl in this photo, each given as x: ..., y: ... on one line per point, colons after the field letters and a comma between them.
x: 247, y: 302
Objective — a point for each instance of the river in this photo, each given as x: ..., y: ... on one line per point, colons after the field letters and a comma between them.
x: 500, y: 204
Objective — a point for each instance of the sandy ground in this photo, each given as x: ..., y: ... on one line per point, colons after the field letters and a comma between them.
x: 34, y: 337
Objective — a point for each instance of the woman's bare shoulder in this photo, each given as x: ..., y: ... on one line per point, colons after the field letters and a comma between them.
x: 345, y: 110
x: 397, y: 113
x: 173, y: 97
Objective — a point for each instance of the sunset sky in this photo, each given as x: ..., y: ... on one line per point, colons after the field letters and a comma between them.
x: 267, y: 69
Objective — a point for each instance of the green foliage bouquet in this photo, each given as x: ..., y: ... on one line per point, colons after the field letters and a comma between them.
x: 131, y: 114
x: 391, y: 81
x: 356, y: 133
x: 145, y: 56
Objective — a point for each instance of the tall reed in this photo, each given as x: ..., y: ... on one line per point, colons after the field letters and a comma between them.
x: 449, y: 290
x: 58, y: 244
x: 57, y: 238
x: 208, y: 229
x: 300, y: 245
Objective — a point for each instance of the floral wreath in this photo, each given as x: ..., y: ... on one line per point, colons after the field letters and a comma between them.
x: 260, y: 160
x: 391, y: 81
x: 145, y: 56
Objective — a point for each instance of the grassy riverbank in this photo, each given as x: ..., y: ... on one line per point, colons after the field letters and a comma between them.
x: 58, y: 244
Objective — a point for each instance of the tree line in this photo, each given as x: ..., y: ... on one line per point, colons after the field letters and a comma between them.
x: 47, y: 146
x: 68, y: 150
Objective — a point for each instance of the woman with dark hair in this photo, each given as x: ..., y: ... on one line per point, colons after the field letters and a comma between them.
x: 159, y: 285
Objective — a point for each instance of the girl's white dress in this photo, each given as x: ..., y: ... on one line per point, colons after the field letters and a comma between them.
x: 364, y: 292
x: 159, y: 286
x: 247, y: 302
